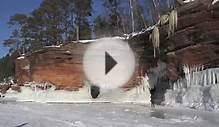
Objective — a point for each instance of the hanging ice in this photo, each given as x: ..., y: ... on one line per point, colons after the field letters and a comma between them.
x: 197, y: 89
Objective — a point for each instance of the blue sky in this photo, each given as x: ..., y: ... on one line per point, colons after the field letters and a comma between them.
x: 11, y: 7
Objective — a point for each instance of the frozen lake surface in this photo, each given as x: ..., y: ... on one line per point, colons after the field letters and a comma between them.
x: 15, y: 114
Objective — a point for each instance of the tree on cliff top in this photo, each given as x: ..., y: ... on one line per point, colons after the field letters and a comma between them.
x: 116, y: 18
x: 54, y: 22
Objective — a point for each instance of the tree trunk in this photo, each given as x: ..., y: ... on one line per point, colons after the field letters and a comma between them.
x: 133, y: 22
x: 77, y: 32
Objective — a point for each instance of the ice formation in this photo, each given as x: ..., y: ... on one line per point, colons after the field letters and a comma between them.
x: 45, y: 93
x: 163, y: 19
x: 215, y: 1
x: 173, y: 22
x: 198, y: 89
x: 155, y: 38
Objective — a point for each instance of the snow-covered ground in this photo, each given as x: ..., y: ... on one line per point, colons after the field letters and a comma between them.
x: 14, y: 114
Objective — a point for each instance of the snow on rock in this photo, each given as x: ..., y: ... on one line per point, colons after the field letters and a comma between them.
x: 199, y: 89
x: 21, y: 57
x: 99, y: 39
x: 54, y: 46
x: 215, y: 1
x: 133, y: 34
x: 84, y: 41
x: 32, y: 92
x: 187, y: 1
x: 69, y: 52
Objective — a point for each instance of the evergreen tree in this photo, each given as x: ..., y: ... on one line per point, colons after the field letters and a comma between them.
x: 54, y: 22
x: 101, y: 27
x: 82, y: 9
x: 7, y: 67
x: 114, y: 17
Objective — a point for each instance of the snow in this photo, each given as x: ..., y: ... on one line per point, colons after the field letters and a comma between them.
x: 21, y: 57
x: 85, y: 41
x: 101, y: 115
x: 199, y: 89
x: 54, y: 46
x: 69, y: 52
x: 187, y: 1
x: 133, y: 34
x: 99, y: 39
x: 30, y: 92
x: 215, y: 1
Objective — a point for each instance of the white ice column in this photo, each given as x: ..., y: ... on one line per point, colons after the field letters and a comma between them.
x: 205, y: 78
x: 213, y: 77
x: 217, y: 75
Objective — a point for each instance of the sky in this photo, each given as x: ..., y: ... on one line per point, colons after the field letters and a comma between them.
x: 10, y: 7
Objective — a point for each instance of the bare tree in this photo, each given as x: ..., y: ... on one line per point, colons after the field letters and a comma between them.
x: 132, y: 14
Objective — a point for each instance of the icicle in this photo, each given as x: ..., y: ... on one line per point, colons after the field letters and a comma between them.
x: 173, y: 22
x: 35, y: 88
x: 163, y: 20
x: 202, y: 68
x: 192, y: 78
x: 181, y: 84
x: 196, y: 79
x: 205, y: 79
x: 174, y: 86
x: 217, y: 76
x: 213, y: 77
x: 175, y: 19
x: 155, y: 38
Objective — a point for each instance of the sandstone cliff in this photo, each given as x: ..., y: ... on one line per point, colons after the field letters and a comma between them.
x: 61, y: 66
x: 195, y: 42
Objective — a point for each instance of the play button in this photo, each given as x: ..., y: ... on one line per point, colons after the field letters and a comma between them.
x: 109, y: 63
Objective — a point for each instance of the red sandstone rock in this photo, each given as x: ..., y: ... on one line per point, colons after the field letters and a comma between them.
x: 4, y: 88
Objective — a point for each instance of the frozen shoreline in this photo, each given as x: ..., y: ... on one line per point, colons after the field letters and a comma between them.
x: 101, y: 114
x: 31, y: 93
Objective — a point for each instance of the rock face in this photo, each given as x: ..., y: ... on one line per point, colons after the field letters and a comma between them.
x: 196, y: 39
x: 61, y: 66
x: 195, y: 42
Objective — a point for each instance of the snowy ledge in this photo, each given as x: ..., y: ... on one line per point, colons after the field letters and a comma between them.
x: 21, y: 57
x: 99, y: 39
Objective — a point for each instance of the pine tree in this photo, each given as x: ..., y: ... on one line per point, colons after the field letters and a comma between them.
x: 101, y: 27
x: 54, y: 22
x: 114, y: 17
x: 82, y: 9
